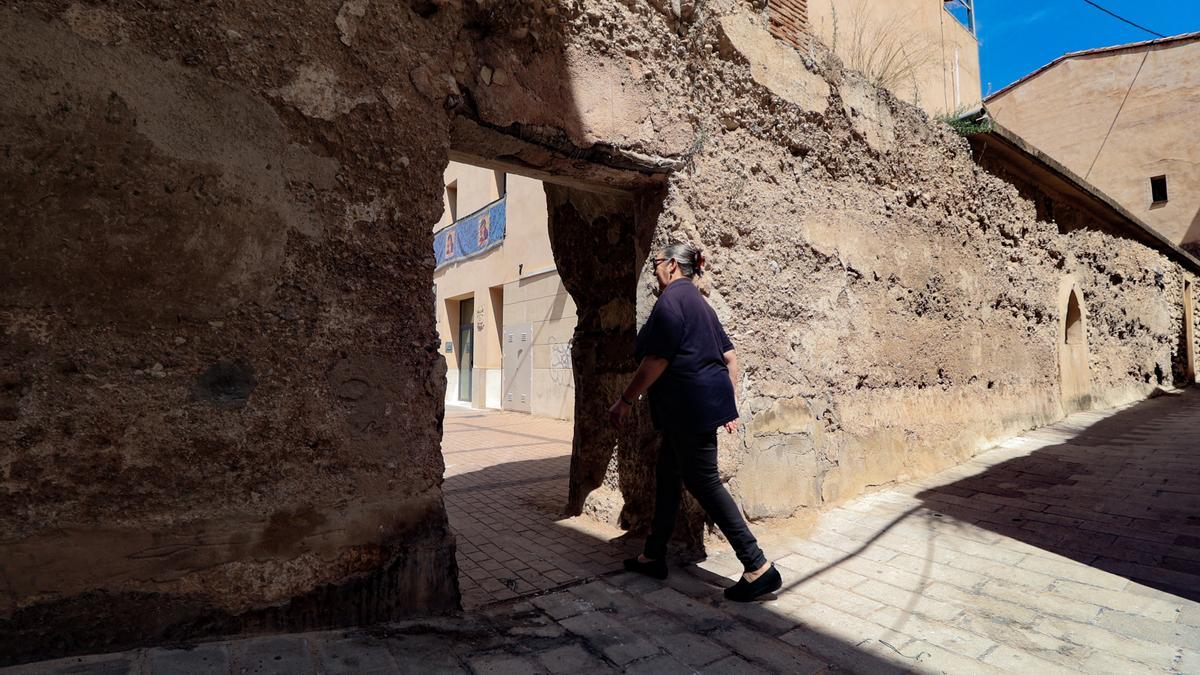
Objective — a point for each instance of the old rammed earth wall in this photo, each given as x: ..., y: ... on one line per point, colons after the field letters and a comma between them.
x: 220, y: 401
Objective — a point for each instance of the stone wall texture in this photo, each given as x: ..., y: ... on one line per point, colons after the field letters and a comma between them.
x: 220, y: 395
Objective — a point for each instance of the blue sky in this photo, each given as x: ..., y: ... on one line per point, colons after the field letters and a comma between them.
x: 1017, y: 37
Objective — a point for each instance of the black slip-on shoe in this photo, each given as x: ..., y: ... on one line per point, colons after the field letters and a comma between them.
x: 745, y: 591
x: 655, y: 568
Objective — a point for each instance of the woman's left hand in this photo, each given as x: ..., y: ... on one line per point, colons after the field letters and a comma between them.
x: 617, y: 413
x: 731, y: 426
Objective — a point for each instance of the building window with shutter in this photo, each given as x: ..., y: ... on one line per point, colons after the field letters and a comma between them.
x: 452, y: 200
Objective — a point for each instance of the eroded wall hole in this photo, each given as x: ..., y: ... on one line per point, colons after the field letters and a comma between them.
x: 1074, y: 322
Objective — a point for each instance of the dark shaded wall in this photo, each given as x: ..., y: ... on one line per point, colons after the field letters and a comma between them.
x: 221, y: 404
x: 220, y: 396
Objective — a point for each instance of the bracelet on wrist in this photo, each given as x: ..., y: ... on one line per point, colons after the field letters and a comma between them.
x: 626, y: 401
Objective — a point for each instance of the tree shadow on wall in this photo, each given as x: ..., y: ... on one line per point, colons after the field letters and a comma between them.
x: 1122, y: 495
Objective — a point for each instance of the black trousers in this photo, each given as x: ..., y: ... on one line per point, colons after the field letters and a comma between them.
x: 691, y: 460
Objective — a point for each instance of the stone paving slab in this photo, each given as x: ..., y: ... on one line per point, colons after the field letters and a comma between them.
x: 201, y: 658
x: 928, y: 578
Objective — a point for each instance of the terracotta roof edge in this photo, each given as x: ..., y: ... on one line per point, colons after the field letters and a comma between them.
x: 1071, y: 178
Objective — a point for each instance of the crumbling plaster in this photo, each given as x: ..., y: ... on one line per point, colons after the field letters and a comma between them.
x: 214, y: 313
x: 221, y: 392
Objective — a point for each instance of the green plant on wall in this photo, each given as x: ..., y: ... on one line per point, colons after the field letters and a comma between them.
x: 967, y: 123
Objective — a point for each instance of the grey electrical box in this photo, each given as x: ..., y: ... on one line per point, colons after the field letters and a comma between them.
x: 517, y: 365
x: 449, y: 347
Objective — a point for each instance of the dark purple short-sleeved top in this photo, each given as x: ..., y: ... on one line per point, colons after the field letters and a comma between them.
x: 694, y: 395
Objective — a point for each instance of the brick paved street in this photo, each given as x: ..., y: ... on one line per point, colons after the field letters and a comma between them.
x: 506, y: 485
x: 1069, y: 549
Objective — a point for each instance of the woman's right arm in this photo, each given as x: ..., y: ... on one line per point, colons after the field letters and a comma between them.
x: 731, y: 364
x: 650, y: 369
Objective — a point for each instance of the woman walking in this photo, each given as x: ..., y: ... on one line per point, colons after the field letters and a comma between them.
x: 689, y: 366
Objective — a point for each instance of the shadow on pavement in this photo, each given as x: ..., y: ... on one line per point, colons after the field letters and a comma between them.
x: 613, y: 615
x: 1122, y: 495
x: 511, y: 536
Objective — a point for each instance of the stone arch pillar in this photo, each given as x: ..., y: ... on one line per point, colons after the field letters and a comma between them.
x: 600, y: 242
x: 218, y: 316
x: 1074, y: 377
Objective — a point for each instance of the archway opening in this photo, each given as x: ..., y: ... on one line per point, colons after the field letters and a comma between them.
x: 535, y: 481
x: 1073, y: 332
x: 1185, y: 355
x: 1073, y: 356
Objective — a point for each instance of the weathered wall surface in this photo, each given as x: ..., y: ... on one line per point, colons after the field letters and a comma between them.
x: 222, y: 390
x: 897, y: 306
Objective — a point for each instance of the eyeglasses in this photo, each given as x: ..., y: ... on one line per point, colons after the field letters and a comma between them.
x: 661, y: 260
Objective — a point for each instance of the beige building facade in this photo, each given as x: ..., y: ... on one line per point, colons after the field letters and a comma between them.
x: 923, y: 51
x: 1123, y: 118
x: 504, y: 319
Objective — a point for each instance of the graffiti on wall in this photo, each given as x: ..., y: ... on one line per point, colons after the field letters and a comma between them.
x: 560, y: 364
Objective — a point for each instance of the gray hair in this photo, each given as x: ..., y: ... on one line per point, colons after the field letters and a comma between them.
x: 689, y: 257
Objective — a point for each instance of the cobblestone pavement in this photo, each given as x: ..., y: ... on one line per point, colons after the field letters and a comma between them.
x: 506, y: 485
x: 1068, y: 549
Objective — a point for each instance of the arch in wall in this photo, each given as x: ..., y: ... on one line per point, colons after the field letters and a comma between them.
x: 1188, y: 334
x: 601, y: 217
x: 1074, y: 377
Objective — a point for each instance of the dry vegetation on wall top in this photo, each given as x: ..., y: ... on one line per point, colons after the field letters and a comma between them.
x: 882, y: 43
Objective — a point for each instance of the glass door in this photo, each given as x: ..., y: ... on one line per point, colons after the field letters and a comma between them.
x: 466, y: 347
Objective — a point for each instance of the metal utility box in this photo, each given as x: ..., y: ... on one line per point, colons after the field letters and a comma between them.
x: 517, y: 366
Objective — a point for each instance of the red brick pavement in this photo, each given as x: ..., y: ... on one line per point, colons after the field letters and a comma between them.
x: 506, y: 485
